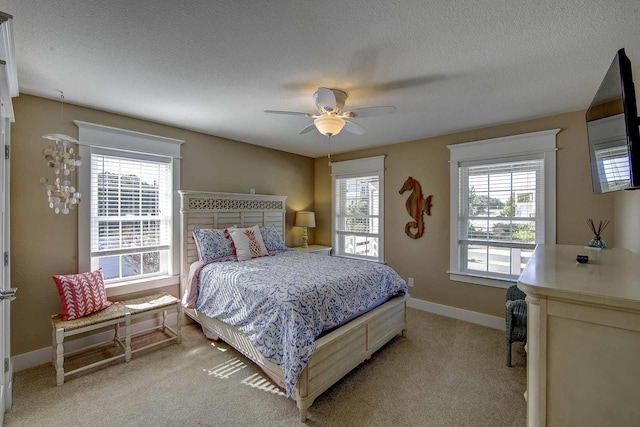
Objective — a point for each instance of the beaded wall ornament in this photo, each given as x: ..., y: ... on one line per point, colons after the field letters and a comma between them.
x: 62, y: 163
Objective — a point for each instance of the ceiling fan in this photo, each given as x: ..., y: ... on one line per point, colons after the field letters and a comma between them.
x: 330, y: 119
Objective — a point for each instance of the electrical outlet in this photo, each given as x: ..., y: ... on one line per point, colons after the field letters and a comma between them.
x: 410, y: 283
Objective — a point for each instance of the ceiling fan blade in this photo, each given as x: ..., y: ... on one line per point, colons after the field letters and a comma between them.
x: 308, y: 129
x: 289, y: 113
x: 325, y: 100
x: 354, y: 128
x: 370, y: 112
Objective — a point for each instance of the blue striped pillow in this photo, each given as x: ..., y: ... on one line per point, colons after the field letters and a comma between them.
x: 212, y: 243
x: 272, y: 239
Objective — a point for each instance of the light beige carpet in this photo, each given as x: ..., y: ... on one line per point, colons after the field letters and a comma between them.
x: 444, y: 373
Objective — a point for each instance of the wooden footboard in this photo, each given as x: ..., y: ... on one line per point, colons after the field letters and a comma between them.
x: 336, y: 353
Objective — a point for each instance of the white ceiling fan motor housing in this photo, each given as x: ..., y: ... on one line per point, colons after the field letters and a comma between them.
x: 340, y: 96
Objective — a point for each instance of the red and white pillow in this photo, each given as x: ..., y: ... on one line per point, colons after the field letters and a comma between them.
x: 81, y: 294
x: 248, y: 243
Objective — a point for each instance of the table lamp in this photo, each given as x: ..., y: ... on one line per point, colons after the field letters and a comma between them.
x: 305, y: 219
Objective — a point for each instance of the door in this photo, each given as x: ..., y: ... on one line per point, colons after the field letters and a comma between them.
x: 5, y: 288
x: 6, y: 292
x: 8, y: 90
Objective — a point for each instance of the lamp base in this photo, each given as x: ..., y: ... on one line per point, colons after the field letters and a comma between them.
x: 305, y: 239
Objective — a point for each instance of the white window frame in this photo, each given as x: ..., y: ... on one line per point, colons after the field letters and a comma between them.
x: 124, y: 141
x: 355, y: 168
x: 534, y: 143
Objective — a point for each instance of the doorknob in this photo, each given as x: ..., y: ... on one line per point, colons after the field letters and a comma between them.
x: 8, y: 294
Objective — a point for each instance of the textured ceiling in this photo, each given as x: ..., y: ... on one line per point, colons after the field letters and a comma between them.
x: 214, y: 66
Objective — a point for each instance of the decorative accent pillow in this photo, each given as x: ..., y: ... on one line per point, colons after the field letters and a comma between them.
x: 212, y: 244
x: 81, y: 294
x: 272, y: 240
x: 248, y: 243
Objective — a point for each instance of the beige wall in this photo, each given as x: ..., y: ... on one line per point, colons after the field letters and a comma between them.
x: 43, y: 243
x: 626, y: 220
x: 427, y: 259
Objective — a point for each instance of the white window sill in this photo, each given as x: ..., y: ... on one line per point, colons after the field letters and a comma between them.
x: 123, y: 288
x: 458, y: 276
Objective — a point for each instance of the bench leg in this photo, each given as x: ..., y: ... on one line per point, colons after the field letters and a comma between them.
x: 53, y: 345
x: 59, y: 345
x: 164, y: 320
x: 127, y: 337
x: 116, y: 334
x: 179, y: 323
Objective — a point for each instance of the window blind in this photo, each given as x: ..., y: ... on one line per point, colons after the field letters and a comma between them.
x: 501, y: 214
x: 357, y: 215
x: 131, y: 204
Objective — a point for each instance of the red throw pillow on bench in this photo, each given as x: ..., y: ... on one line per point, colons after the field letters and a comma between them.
x: 81, y: 294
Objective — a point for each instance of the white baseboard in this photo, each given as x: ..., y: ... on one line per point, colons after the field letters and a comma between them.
x: 458, y: 313
x: 40, y: 357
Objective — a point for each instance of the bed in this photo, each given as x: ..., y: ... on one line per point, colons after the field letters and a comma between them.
x: 334, y: 353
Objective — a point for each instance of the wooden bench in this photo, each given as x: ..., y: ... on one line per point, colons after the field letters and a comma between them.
x: 117, y: 313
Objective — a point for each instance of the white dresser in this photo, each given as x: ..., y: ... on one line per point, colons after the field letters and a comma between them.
x: 583, y: 337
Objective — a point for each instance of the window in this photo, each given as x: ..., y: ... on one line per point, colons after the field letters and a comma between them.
x: 128, y: 225
x: 502, y: 205
x: 130, y: 215
x: 358, y: 207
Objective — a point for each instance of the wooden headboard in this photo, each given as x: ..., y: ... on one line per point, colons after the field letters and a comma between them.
x: 219, y: 210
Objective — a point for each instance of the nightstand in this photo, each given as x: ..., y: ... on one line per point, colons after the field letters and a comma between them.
x: 316, y: 249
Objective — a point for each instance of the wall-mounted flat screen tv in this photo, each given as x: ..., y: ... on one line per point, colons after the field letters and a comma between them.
x: 612, y: 128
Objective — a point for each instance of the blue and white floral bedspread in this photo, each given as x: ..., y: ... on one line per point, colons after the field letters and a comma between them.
x: 284, y: 302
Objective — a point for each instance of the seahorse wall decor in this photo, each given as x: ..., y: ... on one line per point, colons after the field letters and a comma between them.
x: 417, y: 206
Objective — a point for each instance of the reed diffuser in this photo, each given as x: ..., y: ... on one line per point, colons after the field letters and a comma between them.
x: 597, y: 241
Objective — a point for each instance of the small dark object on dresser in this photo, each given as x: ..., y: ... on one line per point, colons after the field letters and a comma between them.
x: 582, y: 259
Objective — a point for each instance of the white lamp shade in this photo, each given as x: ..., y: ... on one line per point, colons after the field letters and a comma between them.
x: 305, y: 219
x: 329, y: 125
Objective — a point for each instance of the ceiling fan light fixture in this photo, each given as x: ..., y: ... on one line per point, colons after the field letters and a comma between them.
x: 329, y: 125
x: 330, y: 120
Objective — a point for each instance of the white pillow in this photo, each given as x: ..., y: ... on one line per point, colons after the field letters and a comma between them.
x: 248, y: 243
